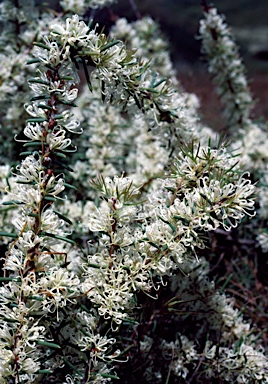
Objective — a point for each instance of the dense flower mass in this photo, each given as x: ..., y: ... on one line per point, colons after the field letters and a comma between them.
x: 112, y: 207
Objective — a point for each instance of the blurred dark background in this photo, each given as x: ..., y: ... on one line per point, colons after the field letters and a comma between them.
x: 180, y: 18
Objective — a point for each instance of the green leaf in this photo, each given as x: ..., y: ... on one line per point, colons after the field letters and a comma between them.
x: 9, y: 234
x: 38, y: 81
x: 87, y: 75
x: 138, y: 103
x: 10, y: 320
x: 68, y: 103
x: 33, y: 61
x: 153, y: 244
x: 26, y: 153
x: 43, y: 371
x: 109, y: 45
x: 75, y: 63
x: 61, y: 216
x: 70, y: 186
x: 174, y: 230
x: 32, y: 143
x: 5, y: 209
x: 44, y: 106
x: 12, y: 202
x: 41, y: 45
x: 164, y: 248
x: 84, y: 308
x: 71, y: 366
x: 50, y: 198
x: 41, y: 97
x: 158, y: 83
x: 56, y: 33
x: 108, y: 376
x: 38, y: 298
x: 89, y: 26
x: 170, y: 189
x: 3, y: 279
x: 26, y: 182
x: 62, y: 155
x: 128, y: 320
x: 93, y: 265
x: 58, y: 117
x: 205, y: 198
x: 36, y: 120
x: 182, y: 219
x: 67, y: 78
x: 48, y: 344
x: 33, y: 214
x: 151, y: 90
x: 58, y: 237
x: 49, y: 66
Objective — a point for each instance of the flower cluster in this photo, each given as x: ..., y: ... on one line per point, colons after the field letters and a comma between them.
x: 116, y: 266
x: 124, y: 79
x: 203, y: 192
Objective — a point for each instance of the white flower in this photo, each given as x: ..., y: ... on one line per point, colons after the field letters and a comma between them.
x: 70, y: 95
x: 59, y: 287
x: 51, y: 56
x: 50, y: 222
x: 263, y: 241
x: 56, y: 139
x: 4, y: 171
x: 75, y: 6
x: 6, y: 357
x: 34, y: 110
x: 53, y: 185
x: 72, y: 125
x: 100, y: 219
x: 28, y: 240
x: 30, y: 169
x: 30, y: 196
x: 110, y: 289
x: 34, y: 131
x: 74, y: 32
x: 182, y: 352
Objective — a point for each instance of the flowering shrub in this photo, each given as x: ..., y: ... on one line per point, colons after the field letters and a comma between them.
x: 146, y: 185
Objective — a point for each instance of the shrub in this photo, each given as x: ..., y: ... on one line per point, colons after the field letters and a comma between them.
x: 119, y: 271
